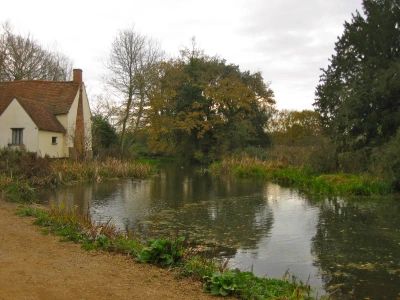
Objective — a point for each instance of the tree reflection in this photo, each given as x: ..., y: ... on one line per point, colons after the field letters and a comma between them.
x: 208, y: 210
x: 357, y: 246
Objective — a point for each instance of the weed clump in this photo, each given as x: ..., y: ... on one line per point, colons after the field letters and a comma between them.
x: 246, y: 285
x: 162, y: 252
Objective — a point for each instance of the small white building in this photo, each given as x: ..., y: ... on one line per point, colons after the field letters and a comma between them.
x: 46, y: 117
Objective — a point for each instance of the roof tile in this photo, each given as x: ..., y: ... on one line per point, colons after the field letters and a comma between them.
x: 42, y: 100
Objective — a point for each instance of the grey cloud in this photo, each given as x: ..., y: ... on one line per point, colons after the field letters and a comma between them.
x: 291, y: 40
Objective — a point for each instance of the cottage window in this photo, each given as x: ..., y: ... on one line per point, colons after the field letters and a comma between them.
x: 54, y: 140
x: 17, y: 136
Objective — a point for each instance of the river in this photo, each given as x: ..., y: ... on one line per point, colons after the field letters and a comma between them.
x: 349, y: 248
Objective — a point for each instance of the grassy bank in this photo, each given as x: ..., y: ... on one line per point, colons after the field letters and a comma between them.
x: 175, y: 254
x: 302, y: 178
x: 21, y: 173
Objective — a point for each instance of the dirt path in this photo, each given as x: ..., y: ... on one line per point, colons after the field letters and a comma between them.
x: 37, y: 266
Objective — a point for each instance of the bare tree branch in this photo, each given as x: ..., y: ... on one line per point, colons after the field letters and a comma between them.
x: 131, y: 65
x: 21, y: 57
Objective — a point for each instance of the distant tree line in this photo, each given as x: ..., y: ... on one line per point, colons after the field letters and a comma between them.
x: 21, y: 57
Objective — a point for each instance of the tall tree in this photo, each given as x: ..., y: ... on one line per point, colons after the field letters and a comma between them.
x: 295, y: 127
x: 21, y: 57
x: 103, y: 133
x: 358, y: 96
x: 204, y: 108
x: 133, y: 65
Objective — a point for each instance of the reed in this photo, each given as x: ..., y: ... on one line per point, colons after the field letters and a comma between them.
x: 21, y: 173
x: 71, y: 171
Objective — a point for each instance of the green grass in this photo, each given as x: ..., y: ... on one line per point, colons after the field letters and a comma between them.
x: 173, y: 253
x: 16, y: 190
x: 302, y: 178
x: 246, y: 285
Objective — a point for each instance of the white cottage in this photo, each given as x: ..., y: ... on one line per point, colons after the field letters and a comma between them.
x: 46, y: 117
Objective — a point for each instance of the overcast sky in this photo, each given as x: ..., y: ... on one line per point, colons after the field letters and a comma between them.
x: 287, y: 40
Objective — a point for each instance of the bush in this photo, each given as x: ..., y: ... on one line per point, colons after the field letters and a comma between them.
x: 23, y: 164
x: 386, y: 161
x: 354, y: 161
x: 322, y: 158
x: 162, y: 252
x: 19, y: 191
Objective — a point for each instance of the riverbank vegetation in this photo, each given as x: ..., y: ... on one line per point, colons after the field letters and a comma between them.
x: 303, y: 178
x: 21, y: 173
x: 176, y: 254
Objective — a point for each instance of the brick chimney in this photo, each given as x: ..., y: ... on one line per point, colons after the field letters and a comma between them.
x: 77, y: 75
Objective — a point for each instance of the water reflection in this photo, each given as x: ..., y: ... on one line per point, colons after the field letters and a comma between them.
x: 349, y: 248
x: 357, y: 246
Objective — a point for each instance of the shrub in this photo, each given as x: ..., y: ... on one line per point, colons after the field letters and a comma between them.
x: 25, y: 165
x: 19, y: 191
x: 162, y: 252
x: 386, y: 161
x: 322, y: 158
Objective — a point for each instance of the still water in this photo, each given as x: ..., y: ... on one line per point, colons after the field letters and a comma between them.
x: 347, y: 248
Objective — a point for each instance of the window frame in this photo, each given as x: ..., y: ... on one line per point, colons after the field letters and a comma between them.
x: 17, y: 136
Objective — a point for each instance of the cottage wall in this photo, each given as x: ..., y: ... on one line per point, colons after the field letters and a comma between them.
x: 47, y: 147
x: 71, y: 123
x: 87, y: 119
x: 16, y: 117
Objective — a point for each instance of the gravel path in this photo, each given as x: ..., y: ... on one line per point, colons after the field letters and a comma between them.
x: 37, y: 266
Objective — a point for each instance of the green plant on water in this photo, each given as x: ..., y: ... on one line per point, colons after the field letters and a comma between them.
x: 162, y: 251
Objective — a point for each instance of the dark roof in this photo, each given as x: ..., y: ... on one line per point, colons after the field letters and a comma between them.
x: 41, y: 115
x: 58, y: 96
x: 42, y: 100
